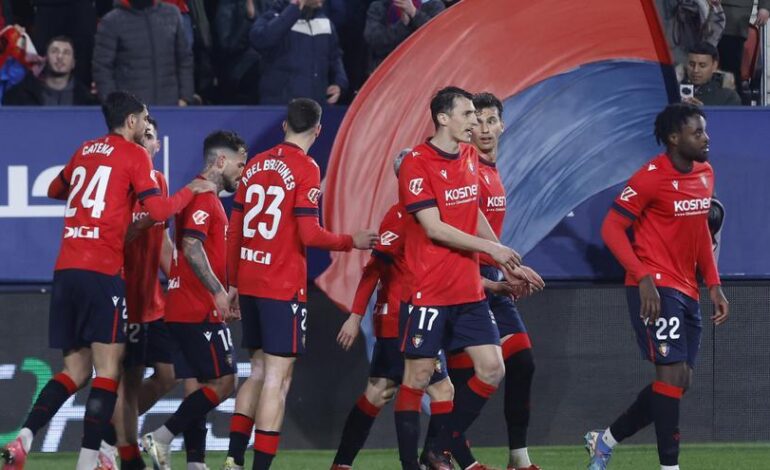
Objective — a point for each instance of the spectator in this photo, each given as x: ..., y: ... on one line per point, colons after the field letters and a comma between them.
x: 390, y: 22
x: 300, y: 52
x: 75, y: 19
x: 141, y: 48
x: 56, y: 86
x: 237, y: 61
x: 701, y: 70
x: 690, y: 22
x: 738, y: 13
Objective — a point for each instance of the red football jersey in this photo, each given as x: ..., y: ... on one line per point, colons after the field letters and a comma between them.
x: 188, y: 300
x: 105, y: 176
x: 144, y: 294
x: 386, y: 268
x: 492, y: 201
x: 670, y: 211
x: 429, y: 177
x: 277, y: 187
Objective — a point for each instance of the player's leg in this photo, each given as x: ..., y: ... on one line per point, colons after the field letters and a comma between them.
x: 125, y: 418
x: 268, y: 417
x: 100, y: 404
x: 104, y: 315
x: 73, y: 376
x: 242, y: 421
x: 476, y: 332
x: 205, y: 354
x: 195, y: 434
x: 160, y: 356
x: 385, y: 372
x: 441, y: 392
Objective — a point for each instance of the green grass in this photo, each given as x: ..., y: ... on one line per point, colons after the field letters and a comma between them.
x: 631, y: 457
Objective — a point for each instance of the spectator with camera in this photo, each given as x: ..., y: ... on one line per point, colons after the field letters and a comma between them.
x: 703, y: 84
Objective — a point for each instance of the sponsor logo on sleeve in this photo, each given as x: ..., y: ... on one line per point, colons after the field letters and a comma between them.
x: 313, y: 195
x: 627, y: 194
x: 387, y: 238
x: 415, y: 186
x: 200, y: 216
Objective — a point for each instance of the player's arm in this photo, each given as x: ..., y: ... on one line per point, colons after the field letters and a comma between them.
x: 234, y: 240
x: 166, y: 254
x: 484, y: 230
x: 707, y: 266
x: 60, y: 186
x: 628, y: 206
x: 445, y: 234
x: 372, y: 273
x: 192, y: 249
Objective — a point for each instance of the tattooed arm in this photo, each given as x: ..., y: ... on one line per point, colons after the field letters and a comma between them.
x: 199, y: 262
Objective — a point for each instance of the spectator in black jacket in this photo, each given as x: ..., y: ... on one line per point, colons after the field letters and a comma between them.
x: 390, y: 22
x: 300, y: 53
x: 702, y: 65
x: 141, y: 48
x: 56, y: 86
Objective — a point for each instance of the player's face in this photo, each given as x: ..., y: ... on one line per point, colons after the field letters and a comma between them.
x: 700, y: 68
x: 60, y: 58
x: 460, y: 120
x: 487, y: 133
x: 138, y: 123
x: 693, y: 141
x: 150, y: 140
x: 232, y: 169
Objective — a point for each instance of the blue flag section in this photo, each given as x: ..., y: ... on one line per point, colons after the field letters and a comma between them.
x: 559, y: 247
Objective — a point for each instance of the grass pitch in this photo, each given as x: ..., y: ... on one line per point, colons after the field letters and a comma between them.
x: 631, y: 457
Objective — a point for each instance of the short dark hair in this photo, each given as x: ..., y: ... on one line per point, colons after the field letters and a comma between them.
x: 118, y: 106
x: 704, y: 48
x: 672, y: 118
x: 60, y: 38
x: 485, y: 100
x: 221, y: 140
x: 444, y: 101
x: 303, y: 114
x: 154, y: 123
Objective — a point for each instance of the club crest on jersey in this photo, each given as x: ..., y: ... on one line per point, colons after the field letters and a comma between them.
x: 415, y: 186
x: 486, y: 178
x: 627, y: 194
x: 443, y: 173
x: 387, y: 238
x: 675, y: 184
x: 471, y: 167
x: 417, y: 341
x: 664, y: 349
x: 207, y: 334
x: 200, y: 216
x: 704, y: 180
x: 313, y: 195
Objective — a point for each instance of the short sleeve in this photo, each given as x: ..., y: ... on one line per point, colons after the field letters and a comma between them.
x: 197, y: 218
x: 637, y: 194
x: 414, y: 189
x: 308, y: 192
x: 391, y: 241
x: 142, y: 175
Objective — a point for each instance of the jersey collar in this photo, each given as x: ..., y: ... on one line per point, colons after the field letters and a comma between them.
x: 441, y: 153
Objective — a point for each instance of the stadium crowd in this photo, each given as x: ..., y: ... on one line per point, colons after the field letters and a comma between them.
x: 187, y: 52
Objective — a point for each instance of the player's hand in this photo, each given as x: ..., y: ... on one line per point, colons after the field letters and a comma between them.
x: 349, y: 331
x: 498, y: 287
x: 721, y: 305
x: 506, y: 257
x: 333, y: 93
x: 406, y: 6
x: 235, y: 305
x: 648, y: 293
x: 533, y: 278
x: 365, y: 239
x: 762, y: 16
x: 223, y: 305
x: 693, y: 100
x: 198, y: 186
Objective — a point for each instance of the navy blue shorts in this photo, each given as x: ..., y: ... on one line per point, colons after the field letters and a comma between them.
x: 503, y: 307
x: 388, y: 362
x: 675, y: 336
x: 202, y: 351
x: 278, y: 327
x: 86, y: 307
x: 427, y: 330
x: 148, y: 344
